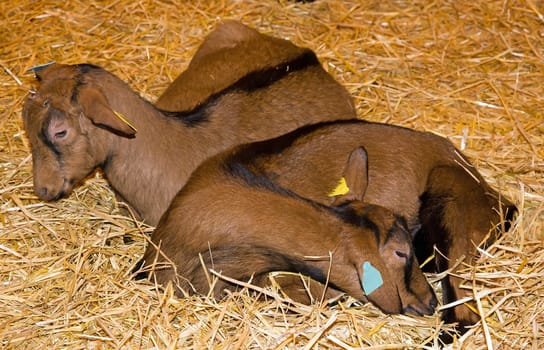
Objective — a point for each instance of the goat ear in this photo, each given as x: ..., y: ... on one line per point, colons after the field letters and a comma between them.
x: 226, y: 35
x: 96, y: 108
x: 380, y: 289
x: 355, y: 177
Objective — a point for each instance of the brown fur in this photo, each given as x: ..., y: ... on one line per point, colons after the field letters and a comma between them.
x: 149, y: 166
x: 418, y: 175
x: 227, y: 54
x: 245, y: 227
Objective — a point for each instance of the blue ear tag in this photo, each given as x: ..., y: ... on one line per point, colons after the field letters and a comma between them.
x: 372, y: 278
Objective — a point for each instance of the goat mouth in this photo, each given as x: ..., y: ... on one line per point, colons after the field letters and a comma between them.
x: 418, y: 310
x: 61, y: 194
x: 64, y: 191
x: 410, y: 310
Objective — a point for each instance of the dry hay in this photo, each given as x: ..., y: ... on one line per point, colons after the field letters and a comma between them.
x: 468, y: 70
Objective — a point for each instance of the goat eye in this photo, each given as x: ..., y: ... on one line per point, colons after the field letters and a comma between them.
x: 45, y: 102
x: 401, y: 254
x: 60, y: 135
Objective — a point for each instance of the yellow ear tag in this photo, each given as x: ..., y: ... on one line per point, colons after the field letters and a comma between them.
x: 124, y: 120
x: 340, y: 189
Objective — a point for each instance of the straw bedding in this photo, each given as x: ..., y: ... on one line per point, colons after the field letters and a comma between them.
x: 469, y: 70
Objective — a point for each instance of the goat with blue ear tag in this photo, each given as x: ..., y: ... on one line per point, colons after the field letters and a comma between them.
x: 243, y: 225
x: 420, y: 176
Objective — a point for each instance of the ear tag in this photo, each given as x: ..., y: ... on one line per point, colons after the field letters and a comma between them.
x: 40, y: 67
x: 124, y: 119
x: 340, y: 189
x: 372, y: 278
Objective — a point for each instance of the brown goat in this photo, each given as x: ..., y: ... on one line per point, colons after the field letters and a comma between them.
x: 241, y: 224
x: 418, y: 175
x: 77, y: 119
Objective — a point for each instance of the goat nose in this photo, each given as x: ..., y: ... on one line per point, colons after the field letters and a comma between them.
x: 48, y: 194
x: 433, y: 303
